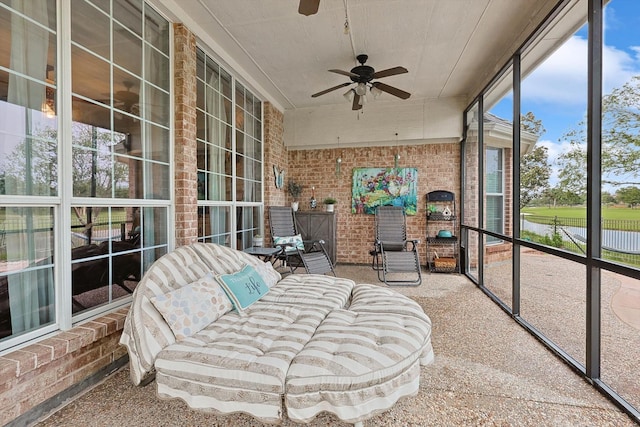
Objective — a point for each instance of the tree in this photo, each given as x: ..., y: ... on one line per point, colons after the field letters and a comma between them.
x: 620, y: 142
x: 558, y: 196
x: 31, y: 168
x: 529, y: 123
x: 608, y: 198
x: 629, y: 195
x: 572, y: 176
x: 535, y: 171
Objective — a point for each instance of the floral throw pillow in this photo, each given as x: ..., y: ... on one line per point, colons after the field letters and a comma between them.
x: 296, y: 241
x: 244, y: 287
x: 192, y: 307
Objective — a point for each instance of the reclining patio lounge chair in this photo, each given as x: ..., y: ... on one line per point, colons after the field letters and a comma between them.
x: 400, y: 261
x: 310, y: 254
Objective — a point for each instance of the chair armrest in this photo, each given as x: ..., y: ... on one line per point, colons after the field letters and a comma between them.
x: 311, y: 242
x: 283, y: 247
x: 314, y: 245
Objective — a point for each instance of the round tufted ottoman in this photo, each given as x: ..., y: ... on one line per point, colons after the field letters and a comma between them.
x: 361, y: 360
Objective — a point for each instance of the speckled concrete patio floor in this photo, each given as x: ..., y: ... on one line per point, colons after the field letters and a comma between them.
x: 488, y: 371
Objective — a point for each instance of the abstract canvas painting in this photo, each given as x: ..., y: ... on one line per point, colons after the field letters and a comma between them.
x: 373, y: 187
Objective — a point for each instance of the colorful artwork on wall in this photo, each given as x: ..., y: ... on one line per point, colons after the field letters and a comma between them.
x: 373, y: 187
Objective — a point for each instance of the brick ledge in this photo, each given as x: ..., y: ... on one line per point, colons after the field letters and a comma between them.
x: 41, y: 371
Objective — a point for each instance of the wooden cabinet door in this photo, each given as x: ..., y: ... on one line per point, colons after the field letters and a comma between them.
x: 318, y: 226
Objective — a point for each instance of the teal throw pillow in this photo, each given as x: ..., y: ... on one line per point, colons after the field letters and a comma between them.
x: 296, y: 241
x: 244, y: 287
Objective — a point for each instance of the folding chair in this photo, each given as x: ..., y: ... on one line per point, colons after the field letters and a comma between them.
x: 310, y: 254
x: 395, y: 261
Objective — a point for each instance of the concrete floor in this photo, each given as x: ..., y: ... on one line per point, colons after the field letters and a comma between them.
x: 488, y: 371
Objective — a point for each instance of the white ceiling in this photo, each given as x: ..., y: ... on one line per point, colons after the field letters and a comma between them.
x: 450, y: 47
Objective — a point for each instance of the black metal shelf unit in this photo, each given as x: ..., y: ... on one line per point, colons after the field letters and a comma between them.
x: 442, y: 243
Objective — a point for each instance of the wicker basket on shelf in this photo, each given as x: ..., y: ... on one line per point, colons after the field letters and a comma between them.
x: 444, y: 262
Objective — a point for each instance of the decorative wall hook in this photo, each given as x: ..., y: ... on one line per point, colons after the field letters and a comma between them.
x: 338, y: 160
x: 396, y: 157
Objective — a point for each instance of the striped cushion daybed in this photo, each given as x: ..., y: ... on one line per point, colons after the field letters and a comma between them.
x: 301, y: 344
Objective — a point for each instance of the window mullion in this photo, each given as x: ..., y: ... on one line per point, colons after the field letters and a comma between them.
x: 65, y: 168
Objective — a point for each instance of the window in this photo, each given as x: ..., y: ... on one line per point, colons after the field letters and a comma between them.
x: 28, y: 167
x: 494, y: 202
x: 574, y: 96
x: 120, y: 147
x: 85, y: 197
x: 230, y: 149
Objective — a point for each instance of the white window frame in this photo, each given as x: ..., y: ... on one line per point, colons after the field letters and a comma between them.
x: 64, y: 200
x: 489, y: 239
x: 234, y: 204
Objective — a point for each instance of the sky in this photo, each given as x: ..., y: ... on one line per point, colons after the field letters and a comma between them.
x: 556, y: 91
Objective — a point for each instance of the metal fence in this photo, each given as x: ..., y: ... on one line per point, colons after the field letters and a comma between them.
x: 41, y: 228
x: 620, y: 238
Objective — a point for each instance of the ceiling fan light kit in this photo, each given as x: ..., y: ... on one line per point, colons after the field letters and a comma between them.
x: 363, y: 75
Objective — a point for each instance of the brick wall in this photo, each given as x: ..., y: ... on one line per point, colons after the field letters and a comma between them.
x: 437, y: 166
x: 185, y: 147
x: 31, y: 375
x: 275, y: 154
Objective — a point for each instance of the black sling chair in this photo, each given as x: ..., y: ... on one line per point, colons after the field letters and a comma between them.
x: 310, y: 254
x: 393, y: 250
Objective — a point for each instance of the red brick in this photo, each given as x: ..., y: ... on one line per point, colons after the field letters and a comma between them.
x: 98, y: 330
x: 74, y: 341
x: 26, y: 361
x: 9, y: 413
x: 58, y: 346
x: 78, y: 361
x: 8, y: 369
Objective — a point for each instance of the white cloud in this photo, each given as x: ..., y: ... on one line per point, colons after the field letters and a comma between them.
x: 618, y: 67
x: 562, y: 77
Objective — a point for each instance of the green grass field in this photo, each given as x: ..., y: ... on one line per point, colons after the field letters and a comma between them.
x: 615, y: 213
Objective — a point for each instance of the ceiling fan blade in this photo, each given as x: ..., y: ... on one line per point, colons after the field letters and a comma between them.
x: 390, y: 72
x: 330, y: 89
x: 308, y: 7
x: 392, y: 90
x: 345, y: 73
x: 356, y: 102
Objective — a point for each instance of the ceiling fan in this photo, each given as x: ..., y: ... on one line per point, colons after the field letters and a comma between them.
x: 308, y: 7
x: 126, y: 99
x: 363, y: 76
